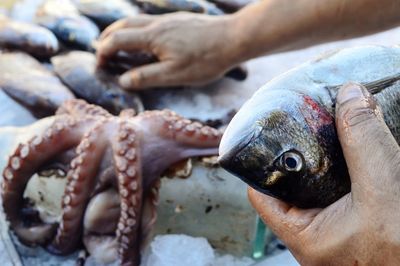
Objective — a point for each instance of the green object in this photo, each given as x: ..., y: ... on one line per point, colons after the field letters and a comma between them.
x: 259, y: 240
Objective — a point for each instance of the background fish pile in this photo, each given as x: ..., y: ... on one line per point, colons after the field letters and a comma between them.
x: 47, y: 50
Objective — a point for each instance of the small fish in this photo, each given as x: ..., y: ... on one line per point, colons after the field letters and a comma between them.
x: 33, y: 39
x: 103, y: 13
x: 283, y: 141
x: 63, y: 19
x: 230, y: 6
x: 167, y: 6
x: 77, y: 69
x: 24, y: 79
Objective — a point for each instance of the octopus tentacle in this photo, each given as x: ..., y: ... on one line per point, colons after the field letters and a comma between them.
x: 81, y: 181
x: 23, y: 163
x: 102, y: 213
x: 127, y: 167
x: 142, y: 147
x: 77, y: 108
x: 149, y: 216
x: 184, y: 131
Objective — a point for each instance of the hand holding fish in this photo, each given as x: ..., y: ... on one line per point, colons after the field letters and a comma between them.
x: 361, y: 228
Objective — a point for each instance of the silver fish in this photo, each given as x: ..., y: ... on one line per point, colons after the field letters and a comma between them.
x: 63, y: 19
x: 230, y: 6
x: 33, y: 39
x: 103, y: 13
x: 283, y: 141
x: 167, y: 6
x: 25, y: 80
x: 77, y: 69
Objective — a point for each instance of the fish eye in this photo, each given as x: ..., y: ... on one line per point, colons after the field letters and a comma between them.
x: 292, y: 161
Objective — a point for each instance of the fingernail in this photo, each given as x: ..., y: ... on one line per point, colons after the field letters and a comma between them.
x: 125, y: 81
x: 349, y: 92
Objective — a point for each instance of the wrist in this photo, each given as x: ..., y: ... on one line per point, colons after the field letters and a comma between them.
x: 226, y: 46
x: 251, y: 36
x: 232, y: 44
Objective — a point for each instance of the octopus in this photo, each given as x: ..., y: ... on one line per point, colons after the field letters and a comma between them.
x: 106, y: 160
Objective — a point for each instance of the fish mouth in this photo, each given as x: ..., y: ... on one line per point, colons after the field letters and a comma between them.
x: 229, y: 160
x: 228, y: 151
x: 234, y: 166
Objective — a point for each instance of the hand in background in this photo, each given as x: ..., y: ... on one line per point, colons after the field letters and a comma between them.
x: 361, y: 228
x: 191, y: 48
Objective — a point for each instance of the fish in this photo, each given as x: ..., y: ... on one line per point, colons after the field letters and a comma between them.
x: 77, y: 69
x: 29, y: 83
x: 13, y: 114
x: 231, y: 6
x: 103, y: 13
x: 283, y: 141
x: 63, y: 19
x: 167, y: 6
x: 33, y: 39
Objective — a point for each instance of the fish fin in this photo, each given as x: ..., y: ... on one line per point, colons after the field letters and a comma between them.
x: 373, y: 87
x: 377, y: 86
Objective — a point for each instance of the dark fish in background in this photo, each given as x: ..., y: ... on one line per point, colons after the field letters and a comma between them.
x: 63, y: 19
x: 77, y: 69
x: 283, y: 141
x: 231, y: 6
x: 24, y: 79
x: 167, y: 6
x: 103, y: 13
x: 33, y: 39
x: 124, y: 61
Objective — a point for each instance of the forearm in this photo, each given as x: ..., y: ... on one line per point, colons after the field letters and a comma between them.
x: 280, y: 25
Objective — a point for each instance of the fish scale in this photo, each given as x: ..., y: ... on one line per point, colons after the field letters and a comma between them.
x: 389, y: 102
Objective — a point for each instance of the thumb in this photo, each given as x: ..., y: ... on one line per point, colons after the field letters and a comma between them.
x: 147, y: 76
x: 370, y: 150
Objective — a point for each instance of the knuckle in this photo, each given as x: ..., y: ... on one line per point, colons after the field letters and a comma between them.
x: 137, y: 78
x: 123, y: 22
x: 356, y: 116
x: 114, y: 37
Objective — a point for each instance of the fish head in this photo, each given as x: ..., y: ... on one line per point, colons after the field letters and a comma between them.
x: 284, y: 144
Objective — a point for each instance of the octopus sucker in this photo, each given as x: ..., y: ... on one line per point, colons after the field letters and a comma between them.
x: 128, y: 172
x: 74, y: 204
x: 31, y: 156
x: 79, y: 107
x: 113, y: 166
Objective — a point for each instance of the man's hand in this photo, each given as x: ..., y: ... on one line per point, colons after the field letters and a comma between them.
x: 362, y: 228
x: 191, y: 48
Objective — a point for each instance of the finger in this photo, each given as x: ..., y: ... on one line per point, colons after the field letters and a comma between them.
x: 137, y: 21
x: 370, y: 150
x: 124, y: 39
x: 147, y: 76
x: 283, y: 219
